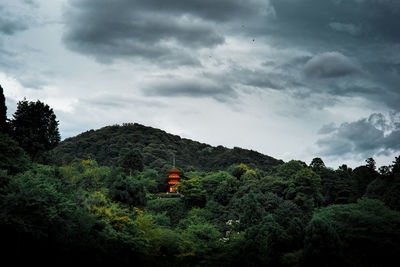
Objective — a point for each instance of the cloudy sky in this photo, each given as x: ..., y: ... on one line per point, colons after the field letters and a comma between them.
x: 294, y: 79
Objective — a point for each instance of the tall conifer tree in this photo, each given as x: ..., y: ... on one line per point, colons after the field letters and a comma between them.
x: 35, y: 127
x: 3, y: 112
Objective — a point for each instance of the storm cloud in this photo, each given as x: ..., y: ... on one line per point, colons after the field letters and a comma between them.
x: 155, y: 30
x: 330, y: 65
x: 195, y: 88
x: 364, y: 138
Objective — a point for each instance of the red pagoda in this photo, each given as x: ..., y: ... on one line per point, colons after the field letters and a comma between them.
x: 173, y: 179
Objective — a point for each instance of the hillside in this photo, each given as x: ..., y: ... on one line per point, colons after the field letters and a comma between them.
x: 157, y: 147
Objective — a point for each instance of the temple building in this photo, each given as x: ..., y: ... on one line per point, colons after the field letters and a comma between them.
x: 173, y: 179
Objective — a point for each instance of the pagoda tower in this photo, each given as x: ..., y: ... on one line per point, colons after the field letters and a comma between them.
x: 173, y: 179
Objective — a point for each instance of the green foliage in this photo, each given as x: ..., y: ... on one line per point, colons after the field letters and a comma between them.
x: 367, y: 233
x: 220, y: 186
x: 265, y: 242
x: 253, y: 214
x: 386, y: 187
x: 12, y: 157
x: 335, y: 188
x: 238, y: 170
x: 152, y: 182
x: 305, y: 189
x: 128, y: 191
x: 3, y: 113
x: 193, y: 192
x: 35, y: 127
x: 202, y: 244
x: 322, y: 245
x: 317, y: 164
x: 131, y: 161
x: 360, y: 178
x: 34, y: 202
x: 174, y: 208
x: 157, y: 148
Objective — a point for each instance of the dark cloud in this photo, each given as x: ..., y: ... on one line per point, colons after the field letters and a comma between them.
x: 195, y: 88
x: 237, y: 75
x: 364, y: 36
x: 363, y: 138
x: 371, y: 19
x: 10, y: 26
x: 10, y: 23
x: 344, y: 27
x: 158, y: 30
x: 330, y: 65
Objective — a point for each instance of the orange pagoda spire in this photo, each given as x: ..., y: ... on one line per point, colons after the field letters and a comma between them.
x: 173, y: 177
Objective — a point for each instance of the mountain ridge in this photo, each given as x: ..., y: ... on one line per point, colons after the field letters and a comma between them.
x: 157, y: 147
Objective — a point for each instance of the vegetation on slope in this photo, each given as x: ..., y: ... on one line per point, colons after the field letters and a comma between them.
x: 293, y: 215
x: 157, y: 148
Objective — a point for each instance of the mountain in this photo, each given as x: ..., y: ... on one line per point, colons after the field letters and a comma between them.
x: 157, y: 147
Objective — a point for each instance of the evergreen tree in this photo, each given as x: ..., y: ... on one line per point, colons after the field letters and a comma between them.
x: 3, y: 112
x: 35, y: 127
x: 131, y: 161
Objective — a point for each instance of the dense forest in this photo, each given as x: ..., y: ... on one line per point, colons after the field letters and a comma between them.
x: 99, y: 199
x: 157, y: 149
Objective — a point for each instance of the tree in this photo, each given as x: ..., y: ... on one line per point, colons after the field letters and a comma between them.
x: 35, y: 127
x: 12, y: 157
x: 371, y: 164
x: 305, y: 190
x: 317, y: 164
x: 131, y: 161
x: 193, y: 192
x: 264, y: 242
x: 3, y: 112
x: 396, y: 165
x: 322, y: 243
x: 127, y: 190
x: 367, y: 232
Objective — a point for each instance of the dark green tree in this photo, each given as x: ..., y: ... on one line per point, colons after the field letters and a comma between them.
x: 265, y: 242
x: 360, y: 178
x: 305, y: 190
x: 396, y: 166
x: 317, y: 164
x: 12, y: 157
x: 3, y: 112
x: 129, y: 191
x: 35, y: 127
x: 322, y: 244
x: 371, y: 163
x: 367, y: 230
x: 335, y: 187
x: 131, y: 161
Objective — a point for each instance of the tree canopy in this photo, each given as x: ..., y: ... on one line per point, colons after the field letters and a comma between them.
x: 35, y: 127
x: 230, y: 213
x: 3, y: 112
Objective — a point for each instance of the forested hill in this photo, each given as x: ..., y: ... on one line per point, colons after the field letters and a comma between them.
x: 157, y: 148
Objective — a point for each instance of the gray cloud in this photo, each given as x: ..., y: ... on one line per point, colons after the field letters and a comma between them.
x: 308, y: 18
x: 197, y: 88
x: 15, y: 17
x: 345, y: 27
x: 362, y: 138
x: 10, y: 25
x: 148, y: 29
x: 330, y: 65
x: 171, y: 34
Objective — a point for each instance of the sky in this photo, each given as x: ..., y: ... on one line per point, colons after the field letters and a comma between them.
x: 293, y: 79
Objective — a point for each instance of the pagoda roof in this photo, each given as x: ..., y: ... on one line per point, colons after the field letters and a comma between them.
x: 174, y: 170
